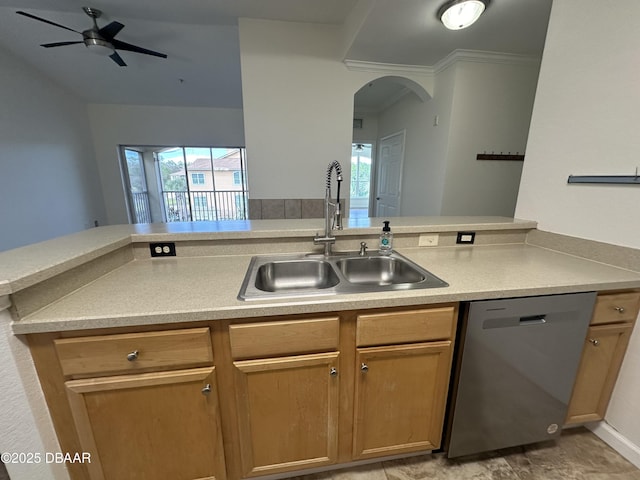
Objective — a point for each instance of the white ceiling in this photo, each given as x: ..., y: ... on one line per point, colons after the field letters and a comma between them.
x: 200, y: 39
x: 409, y: 32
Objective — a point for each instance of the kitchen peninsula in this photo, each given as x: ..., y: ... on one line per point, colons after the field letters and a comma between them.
x: 78, y: 300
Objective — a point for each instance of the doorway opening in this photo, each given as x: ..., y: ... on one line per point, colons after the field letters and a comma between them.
x: 359, y: 197
x: 382, y: 120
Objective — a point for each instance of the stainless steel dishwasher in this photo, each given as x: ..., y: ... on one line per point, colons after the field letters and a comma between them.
x: 518, y: 363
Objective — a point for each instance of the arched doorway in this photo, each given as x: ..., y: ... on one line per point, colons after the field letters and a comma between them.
x: 376, y: 175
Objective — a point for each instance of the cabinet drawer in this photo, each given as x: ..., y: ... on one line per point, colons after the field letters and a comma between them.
x: 616, y: 307
x: 290, y: 337
x: 406, y: 327
x: 134, y: 352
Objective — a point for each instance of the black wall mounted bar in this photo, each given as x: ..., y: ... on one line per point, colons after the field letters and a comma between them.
x: 499, y: 156
x: 606, y: 179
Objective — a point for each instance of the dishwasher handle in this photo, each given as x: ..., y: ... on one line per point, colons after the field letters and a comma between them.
x: 510, y: 322
x: 533, y: 320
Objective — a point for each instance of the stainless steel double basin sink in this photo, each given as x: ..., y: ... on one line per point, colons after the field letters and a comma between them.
x: 278, y: 276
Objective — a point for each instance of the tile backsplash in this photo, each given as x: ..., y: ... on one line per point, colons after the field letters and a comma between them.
x: 260, y: 209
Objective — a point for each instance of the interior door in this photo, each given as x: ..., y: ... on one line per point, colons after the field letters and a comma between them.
x: 389, y: 175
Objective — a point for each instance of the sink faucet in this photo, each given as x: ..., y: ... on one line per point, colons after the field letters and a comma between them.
x: 332, y: 221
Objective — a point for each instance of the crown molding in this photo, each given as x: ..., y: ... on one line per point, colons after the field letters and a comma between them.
x: 477, y: 56
x: 388, y: 68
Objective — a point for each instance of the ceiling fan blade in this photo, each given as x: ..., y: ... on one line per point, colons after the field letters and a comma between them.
x: 118, y: 59
x: 59, y: 44
x: 111, y: 30
x: 118, y: 45
x: 45, y: 21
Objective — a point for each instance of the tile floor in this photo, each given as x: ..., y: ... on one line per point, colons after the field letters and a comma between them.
x: 577, y: 455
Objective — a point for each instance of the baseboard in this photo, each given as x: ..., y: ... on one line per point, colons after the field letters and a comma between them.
x: 339, y: 466
x: 617, y: 441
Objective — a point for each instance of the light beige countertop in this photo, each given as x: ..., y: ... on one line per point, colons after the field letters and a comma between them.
x: 181, y: 289
x: 26, y: 266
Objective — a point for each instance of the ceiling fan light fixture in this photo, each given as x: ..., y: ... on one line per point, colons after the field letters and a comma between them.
x: 99, y: 46
x: 459, y: 14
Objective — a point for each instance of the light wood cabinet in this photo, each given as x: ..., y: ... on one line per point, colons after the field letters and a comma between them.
x: 406, y: 326
x: 400, y: 398
x: 616, y: 307
x: 150, y: 426
x: 134, y: 352
x: 288, y: 412
x: 401, y: 383
x: 144, y: 405
x: 246, y: 398
x: 287, y: 393
x: 604, y: 348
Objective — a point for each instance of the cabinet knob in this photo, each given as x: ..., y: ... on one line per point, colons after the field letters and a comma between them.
x: 595, y: 341
x: 132, y: 356
x: 364, y: 367
x: 619, y: 309
x: 207, y: 389
x: 333, y: 372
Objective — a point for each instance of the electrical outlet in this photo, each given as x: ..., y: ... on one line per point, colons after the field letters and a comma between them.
x: 165, y: 249
x: 466, y: 237
x: 428, y: 240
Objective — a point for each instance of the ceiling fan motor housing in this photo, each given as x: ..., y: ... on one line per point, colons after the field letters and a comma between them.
x: 92, y: 37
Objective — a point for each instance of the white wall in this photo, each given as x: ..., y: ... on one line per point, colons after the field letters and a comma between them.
x: 481, y: 105
x: 48, y: 177
x: 369, y: 131
x: 114, y: 125
x: 297, y: 106
x: 492, y: 104
x: 585, y: 121
x: 425, y: 145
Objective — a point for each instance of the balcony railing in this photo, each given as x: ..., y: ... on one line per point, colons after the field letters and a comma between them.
x: 141, y: 207
x: 183, y: 206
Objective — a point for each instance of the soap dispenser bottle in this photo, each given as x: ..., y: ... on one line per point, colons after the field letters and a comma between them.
x: 386, y: 239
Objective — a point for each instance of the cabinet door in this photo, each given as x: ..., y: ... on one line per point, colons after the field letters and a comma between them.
x: 602, y: 356
x: 288, y: 412
x: 400, y: 398
x: 150, y: 426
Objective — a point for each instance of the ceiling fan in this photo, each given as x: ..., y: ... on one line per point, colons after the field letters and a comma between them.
x: 99, y: 40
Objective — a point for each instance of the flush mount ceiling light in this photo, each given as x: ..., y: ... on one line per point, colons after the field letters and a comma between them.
x: 459, y: 14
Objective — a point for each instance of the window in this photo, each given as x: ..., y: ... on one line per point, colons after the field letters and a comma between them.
x: 197, y: 178
x: 194, y: 183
